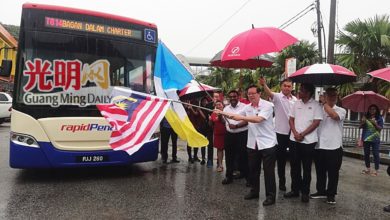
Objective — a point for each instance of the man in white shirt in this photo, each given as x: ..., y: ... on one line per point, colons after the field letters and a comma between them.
x: 330, y: 151
x: 260, y: 145
x: 305, y: 117
x: 235, y: 139
x: 283, y: 102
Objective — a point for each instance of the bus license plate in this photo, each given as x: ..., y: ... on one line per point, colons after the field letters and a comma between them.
x: 94, y: 158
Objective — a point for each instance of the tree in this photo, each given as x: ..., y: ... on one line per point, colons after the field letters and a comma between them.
x: 305, y: 53
x: 365, y: 47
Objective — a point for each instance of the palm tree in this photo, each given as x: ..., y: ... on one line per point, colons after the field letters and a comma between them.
x: 226, y: 79
x: 305, y: 53
x: 365, y: 47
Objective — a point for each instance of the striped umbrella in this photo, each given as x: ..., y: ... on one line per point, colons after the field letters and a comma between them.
x: 323, y: 74
x: 194, y: 90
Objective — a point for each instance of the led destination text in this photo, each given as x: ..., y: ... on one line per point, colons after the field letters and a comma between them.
x: 92, y: 27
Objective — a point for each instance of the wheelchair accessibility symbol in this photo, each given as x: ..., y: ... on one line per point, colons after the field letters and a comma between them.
x: 150, y: 35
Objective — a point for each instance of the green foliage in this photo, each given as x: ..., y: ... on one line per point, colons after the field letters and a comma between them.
x: 365, y: 47
x: 305, y: 53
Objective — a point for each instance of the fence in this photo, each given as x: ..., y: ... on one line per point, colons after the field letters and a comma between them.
x: 351, y: 133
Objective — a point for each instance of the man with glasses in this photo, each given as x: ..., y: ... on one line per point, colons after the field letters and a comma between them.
x: 260, y: 144
x: 235, y: 139
x: 283, y: 102
x: 305, y: 117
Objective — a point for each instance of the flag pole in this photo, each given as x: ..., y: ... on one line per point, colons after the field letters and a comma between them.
x: 196, y: 106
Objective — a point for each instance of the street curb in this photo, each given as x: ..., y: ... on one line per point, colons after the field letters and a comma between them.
x: 384, y: 159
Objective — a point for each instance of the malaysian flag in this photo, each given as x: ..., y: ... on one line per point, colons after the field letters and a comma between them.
x: 134, y: 117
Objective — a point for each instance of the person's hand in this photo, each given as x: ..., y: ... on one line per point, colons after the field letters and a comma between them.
x: 217, y: 111
x: 364, y: 119
x: 373, y: 121
x: 232, y: 126
x: 262, y: 81
x: 298, y: 137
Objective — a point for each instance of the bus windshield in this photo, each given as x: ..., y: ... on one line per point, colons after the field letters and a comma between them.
x: 70, y: 71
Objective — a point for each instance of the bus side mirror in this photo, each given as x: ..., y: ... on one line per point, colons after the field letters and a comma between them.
x: 5, y: 68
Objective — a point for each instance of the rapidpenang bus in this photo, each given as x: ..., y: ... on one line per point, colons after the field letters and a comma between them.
x: 68, y: 61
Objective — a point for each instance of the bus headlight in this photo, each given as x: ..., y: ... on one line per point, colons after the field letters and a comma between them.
x: 23, y: 139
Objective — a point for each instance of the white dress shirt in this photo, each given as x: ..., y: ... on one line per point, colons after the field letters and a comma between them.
x: 331, y: 131
x: 304, y: 114
x: 261, y: 134
x: 283, y: 105
x: 236, y: 110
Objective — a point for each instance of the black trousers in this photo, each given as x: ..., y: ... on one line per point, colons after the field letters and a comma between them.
x: 255, y: 157
x: 281, y: 156
x: 235, y: 147
x: 301, y: 158
x: 165, y: 134
x: 210, y: 147
x: 329, y: 164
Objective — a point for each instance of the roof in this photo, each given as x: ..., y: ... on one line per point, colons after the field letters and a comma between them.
x: 194, y: 61
x: 7, y: 37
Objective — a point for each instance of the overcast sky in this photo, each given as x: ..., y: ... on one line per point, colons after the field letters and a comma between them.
x: 183, y: 24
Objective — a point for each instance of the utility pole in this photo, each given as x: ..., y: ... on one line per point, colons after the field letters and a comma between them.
x: 319, y: 26
x: 332, y: 22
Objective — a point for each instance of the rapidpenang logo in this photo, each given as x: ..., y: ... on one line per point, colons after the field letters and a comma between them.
x: 86, y: 127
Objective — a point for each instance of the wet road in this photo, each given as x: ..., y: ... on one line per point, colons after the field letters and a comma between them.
x: 174, y: 191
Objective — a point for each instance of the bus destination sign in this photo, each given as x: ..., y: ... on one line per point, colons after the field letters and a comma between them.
x: 92, y: 27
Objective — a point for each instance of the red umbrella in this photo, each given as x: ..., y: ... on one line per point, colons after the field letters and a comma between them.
x: 381, y: 74
x: 255, y: 42
x: 264, y: 60
x: 361, y: 100
x: 194, y: 90
x: 323, y: 74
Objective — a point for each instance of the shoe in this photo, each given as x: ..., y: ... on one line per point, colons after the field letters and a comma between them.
x: 190, y: 160
x: 239, y: 176
x: 282, y: 188
x: 269, y: 201
x: 318, y: 195
x: 219, y: 169
x: 196, y: 159
x: 164, y: 162
x: 175, y: 161
x: 331, y: 200
x: 251, y: 195
x: 305, y: 198
x: 367, y: 172
x: 386, y: 208
x: 291, y: 194
x: 375, y: 173
x: 209, y: 163
x: 227, y: 181
x: 203, y: 162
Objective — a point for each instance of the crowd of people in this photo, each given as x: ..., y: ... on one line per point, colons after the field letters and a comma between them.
x: 253, y: 133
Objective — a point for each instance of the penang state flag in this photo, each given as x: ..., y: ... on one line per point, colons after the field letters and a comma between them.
x: 170, y: 75
x: 134, y: 117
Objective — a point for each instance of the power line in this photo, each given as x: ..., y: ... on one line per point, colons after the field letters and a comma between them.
x: 296, y: 19
x: 219, y: 27
x: 291, y: 20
